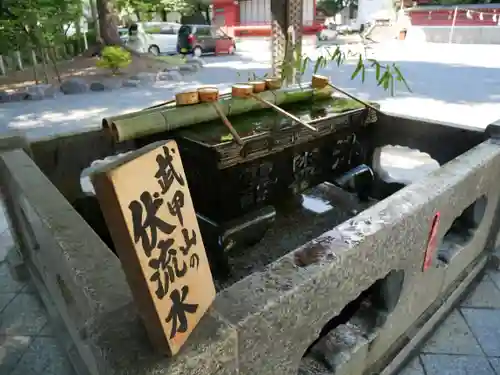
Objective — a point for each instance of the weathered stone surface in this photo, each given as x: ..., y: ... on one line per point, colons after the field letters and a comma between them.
x: 189, y: 68
x: 112, y: 83
x: 4, y: 96
x: 97, y: 86
x: 145, y: 78
x: 196, y: 61
x: 131, y: 83
x: 41, y: 91
x: 263, y: 323
x: 343, y: 349
x: 74, y: 86
x: 279, y: 308
x: 18, y: 96
x: 169, y: 76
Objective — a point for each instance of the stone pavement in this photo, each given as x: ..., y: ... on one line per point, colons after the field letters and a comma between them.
x: 453, y: 83
x: 466, y: 343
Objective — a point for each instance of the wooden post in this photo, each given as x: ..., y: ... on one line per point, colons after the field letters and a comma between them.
x: 286, y: 32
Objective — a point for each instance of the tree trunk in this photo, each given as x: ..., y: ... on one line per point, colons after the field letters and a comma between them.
x: 107, y: 22
x: 95, y: 19
x: 53, y: 59
x: 43, y: 53
x: 207, y: 16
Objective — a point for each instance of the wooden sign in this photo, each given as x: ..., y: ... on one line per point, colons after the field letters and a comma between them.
x: 148, y: 208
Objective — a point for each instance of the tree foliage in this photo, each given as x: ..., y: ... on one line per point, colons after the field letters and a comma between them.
x: 144, y: 9
x: 332, y: 7
x: 35, y: 22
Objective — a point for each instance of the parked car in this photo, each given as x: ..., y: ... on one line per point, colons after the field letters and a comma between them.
x: 204, y: 39
x: 123, y: 32
x: 161, y: 37
x: 329, y: 32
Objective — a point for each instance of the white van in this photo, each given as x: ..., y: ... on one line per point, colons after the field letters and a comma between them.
x: 161, y: 36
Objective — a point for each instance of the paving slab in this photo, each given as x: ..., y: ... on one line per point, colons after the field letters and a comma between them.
x: 12, y: 349
x: 23, y: 316
x: 413, y: 368
x: 442, y: 364
x: 7, y: 284
x: 495, y: 363
x: 486, y: 295
x: 495, y: 277
x: 453, y: 337
x: 485, y: 325
x: 43, y: 357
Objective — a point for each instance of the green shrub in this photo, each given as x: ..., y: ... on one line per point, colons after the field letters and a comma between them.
x: 114, y: 58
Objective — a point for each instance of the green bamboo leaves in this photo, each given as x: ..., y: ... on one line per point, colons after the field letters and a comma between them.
x: 386, y: 75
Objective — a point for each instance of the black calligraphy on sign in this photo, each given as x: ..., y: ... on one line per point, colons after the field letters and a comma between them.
x: 180, y: 309
x: 166, y: 173
x: 176, y: 205
x: 189, y: 241
x: 194, y: 261
x: 167, y: 267
x: 146, y: 226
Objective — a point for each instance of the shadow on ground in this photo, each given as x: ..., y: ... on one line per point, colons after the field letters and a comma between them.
x: 444, y: 87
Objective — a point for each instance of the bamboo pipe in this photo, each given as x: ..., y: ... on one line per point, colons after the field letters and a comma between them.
x: 211, y: 95
x: 318, y: 82
x: 247, y: 90
x: 173, y: 101
x: 170, y: 117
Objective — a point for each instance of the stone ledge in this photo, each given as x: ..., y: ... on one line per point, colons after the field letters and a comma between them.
x: 74, y: 86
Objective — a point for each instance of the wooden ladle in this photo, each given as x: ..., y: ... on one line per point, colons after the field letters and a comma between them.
x: 318, y: 82
x: 249, y: 90
x: 211, y: 95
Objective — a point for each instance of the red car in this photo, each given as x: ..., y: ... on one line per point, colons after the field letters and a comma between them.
x: 204, y: 39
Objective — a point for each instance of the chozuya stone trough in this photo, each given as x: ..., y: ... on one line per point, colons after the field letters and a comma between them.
x: 346, y: 289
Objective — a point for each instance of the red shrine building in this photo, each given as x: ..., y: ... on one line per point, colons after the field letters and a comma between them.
x: 253, y: 17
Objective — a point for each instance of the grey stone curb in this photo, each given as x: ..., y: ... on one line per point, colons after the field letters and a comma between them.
x: 73, y: 86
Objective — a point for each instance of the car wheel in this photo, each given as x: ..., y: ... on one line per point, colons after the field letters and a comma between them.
x: 197, y: 52
x: 154, y: 50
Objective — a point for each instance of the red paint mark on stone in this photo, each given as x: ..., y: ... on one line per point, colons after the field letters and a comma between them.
x: 431, y: 243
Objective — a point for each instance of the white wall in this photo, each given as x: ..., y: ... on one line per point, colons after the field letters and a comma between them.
x: 259, y: 12
x: 369, y: 10
x: 255, y: 12
x: 308, y: 12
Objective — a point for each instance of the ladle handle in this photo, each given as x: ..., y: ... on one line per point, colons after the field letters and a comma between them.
x: 282, y: 111
x: 228, y: 125
x: 354, y: 98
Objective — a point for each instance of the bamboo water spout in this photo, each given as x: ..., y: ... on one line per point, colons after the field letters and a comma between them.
x: 319, y: 82
x: 248, y: 90
x: 211, y: 95
x: 169, y: 117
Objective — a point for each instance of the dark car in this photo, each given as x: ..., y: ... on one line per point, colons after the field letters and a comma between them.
x: 201, y: 39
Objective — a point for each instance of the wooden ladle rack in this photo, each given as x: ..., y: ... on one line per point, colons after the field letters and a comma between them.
x: 318, y: 82
x: 250, y: 89
x: 208, y: 95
